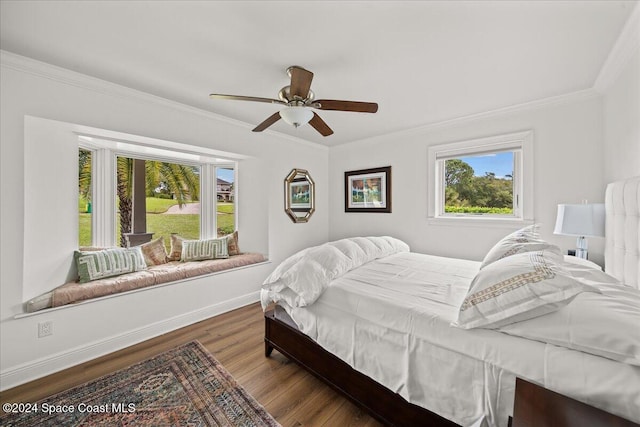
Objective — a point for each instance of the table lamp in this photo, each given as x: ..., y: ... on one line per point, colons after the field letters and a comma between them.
x: 583, y: 220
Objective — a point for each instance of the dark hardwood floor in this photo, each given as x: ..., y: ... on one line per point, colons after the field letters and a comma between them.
x: 293, y: 396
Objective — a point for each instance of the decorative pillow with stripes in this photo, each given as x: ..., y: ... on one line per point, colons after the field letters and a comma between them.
x: 111, y: 262
x: 526, y: 239
x: 516, y: 288
x: 199, y: 250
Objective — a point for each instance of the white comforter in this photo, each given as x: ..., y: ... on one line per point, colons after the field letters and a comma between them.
x: 390, y: 319
x: 302, y: 278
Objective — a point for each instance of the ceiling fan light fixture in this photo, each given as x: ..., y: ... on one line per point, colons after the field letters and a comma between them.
x: 298, y: 100
x: 296, y: 116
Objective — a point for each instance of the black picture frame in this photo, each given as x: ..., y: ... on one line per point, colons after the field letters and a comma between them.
x: 368, y: 190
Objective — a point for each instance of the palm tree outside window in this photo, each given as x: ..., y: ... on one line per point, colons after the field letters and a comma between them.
x: 171, y: 191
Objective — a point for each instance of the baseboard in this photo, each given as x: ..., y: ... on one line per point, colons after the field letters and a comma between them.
x: 46, y: 366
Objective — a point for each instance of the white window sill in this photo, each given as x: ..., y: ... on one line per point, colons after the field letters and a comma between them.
x: 476, y: 221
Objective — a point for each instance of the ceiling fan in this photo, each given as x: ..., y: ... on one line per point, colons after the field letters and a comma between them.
x: 299, y: 99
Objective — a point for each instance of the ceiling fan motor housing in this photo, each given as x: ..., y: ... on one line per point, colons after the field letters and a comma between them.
x: 285, y: 95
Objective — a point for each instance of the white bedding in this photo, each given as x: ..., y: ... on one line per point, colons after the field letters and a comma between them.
x: 390, y: 319
x: 302, y: 278
x: 605, y: 324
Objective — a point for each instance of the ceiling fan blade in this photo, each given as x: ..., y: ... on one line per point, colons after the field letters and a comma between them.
x: 300, y: 82
x: 246, y: 98
x: 319, y: 125
x: 271, y: 120
x: 332, y: 104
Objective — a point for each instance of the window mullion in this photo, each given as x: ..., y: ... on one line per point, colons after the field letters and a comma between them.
x: 104, y: 198
x: 208, y: 220
x: 440, y: 187
x: 518, y: 182
x: 235, y: 197
x: 517, y: 203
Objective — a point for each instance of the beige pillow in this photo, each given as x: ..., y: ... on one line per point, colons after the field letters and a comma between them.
x: 154, y: 252
x: 176, y: 247
x: 232, y: 243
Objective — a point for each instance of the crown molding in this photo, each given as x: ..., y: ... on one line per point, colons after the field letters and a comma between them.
x: 45, y: 70
x: 627, y: 45
x: 512, y: 109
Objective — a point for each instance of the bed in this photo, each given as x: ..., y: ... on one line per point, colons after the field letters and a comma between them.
x: 378, y: 326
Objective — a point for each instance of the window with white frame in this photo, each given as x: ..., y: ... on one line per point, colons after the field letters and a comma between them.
x: 482, y: 179
x: 193, y: 195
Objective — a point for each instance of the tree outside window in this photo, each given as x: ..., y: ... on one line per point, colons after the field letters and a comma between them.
x: 479, y: 192
x: 170, y: 203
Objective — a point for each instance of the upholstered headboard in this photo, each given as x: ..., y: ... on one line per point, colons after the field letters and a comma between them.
x: 622, y: 230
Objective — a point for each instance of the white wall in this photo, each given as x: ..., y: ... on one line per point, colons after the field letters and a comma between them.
x: 567, y: 168
x: 621, y: 105
x: 88, y: 330
x: 582, y: 141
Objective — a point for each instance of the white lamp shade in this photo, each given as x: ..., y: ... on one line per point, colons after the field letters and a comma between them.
x: 580, y: 220
x: 296, y: 116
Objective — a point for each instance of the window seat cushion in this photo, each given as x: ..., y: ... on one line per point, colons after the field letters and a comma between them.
x: 170, y: 272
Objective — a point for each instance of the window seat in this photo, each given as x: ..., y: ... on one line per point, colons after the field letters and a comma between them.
x: 73, y: 292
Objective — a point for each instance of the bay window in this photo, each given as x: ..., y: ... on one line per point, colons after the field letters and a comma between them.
x: 131, y: 192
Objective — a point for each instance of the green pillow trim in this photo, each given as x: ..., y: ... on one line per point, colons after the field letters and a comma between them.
x: 199, y: 250
x: 108, y: 263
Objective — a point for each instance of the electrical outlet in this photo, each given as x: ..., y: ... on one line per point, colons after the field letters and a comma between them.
x: 45, y: 329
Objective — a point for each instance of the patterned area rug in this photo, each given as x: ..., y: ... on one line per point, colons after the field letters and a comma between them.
x: 185, y: 386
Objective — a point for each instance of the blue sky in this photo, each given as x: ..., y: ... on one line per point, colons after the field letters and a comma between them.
x: 499, y: 163
x: 226, y: 174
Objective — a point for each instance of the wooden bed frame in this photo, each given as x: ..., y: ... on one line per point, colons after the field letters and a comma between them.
x: 534, y: 405
x: 282, y: 334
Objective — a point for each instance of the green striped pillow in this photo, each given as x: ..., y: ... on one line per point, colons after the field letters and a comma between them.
x: 198, y: 250
x: 96, y: 265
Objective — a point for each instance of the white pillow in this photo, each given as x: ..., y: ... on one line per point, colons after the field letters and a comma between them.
x: 517, y: 288
x: 606, y: 324
x: 526, y: 239
x: 581, y: 263
x: 300, y: 279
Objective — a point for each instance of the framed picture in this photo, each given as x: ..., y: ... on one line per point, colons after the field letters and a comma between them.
x: 300, y: 193
x: 299, y: 201
x: 368, y: 190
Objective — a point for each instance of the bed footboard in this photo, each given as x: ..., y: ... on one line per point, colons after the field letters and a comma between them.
x: 536, y: 406
x: 386, y: 406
